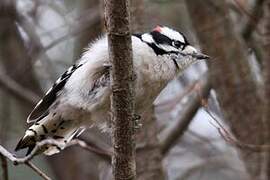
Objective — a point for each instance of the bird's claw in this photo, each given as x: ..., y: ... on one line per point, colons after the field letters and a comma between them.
x: 107, y: 65
x: 137, y: 122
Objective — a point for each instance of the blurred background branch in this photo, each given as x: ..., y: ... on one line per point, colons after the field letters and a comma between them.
x: 4, y: 167
x: 176, y: 129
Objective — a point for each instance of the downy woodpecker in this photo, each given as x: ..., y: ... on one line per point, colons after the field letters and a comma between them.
x: 80, y: 98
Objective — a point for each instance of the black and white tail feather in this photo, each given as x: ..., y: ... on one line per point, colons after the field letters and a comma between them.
x: 80, y: 98
x: 48, y: 124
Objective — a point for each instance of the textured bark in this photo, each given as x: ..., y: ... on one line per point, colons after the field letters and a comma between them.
x: 230, y: 76
x: 122, y: 83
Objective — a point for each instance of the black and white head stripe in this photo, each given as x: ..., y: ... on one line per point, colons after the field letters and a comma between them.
x: 171, y: 34
x: 164, y: 40
x: 169, y: 39
x: 148, y: 39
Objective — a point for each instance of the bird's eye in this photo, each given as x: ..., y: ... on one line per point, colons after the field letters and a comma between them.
x: 177, y: 44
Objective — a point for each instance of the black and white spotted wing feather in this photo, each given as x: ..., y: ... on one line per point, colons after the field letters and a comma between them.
x: 41, y: 109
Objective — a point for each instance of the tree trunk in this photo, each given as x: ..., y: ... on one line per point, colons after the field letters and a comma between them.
x: 122, y: 84
x: 230, y: 76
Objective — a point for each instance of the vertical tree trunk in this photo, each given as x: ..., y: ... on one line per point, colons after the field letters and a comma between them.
x: 230, y: 76
x: 122, y: 83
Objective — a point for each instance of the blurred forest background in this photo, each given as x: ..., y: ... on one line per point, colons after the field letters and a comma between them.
x: 180, y: 138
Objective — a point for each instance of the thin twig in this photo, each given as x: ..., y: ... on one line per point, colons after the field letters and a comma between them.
x: 224, y: 133
x: 26, y: 160
x: 4, y: 167
x: 50, y: 142
x: 204, y: 140
x: 253, y: 18
x: 37, y: 170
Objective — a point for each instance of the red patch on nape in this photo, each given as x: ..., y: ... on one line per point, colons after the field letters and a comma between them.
x: 157, y: 28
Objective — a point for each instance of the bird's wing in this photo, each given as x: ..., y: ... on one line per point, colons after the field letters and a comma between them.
x: 41, y: 109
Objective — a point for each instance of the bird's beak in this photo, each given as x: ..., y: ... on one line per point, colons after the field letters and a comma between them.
x: 200, y: 56
x: 190, y: 50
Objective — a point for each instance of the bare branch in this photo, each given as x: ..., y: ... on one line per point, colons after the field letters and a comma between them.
x: 226, y: 135
x: 105, y: 154
x: 51, y: 142
x: 253, y: 18
x: 4, y: 167
x: 25, y: 160
x: 37, y: 170
x: 177, y: 129
x: 204, y: 140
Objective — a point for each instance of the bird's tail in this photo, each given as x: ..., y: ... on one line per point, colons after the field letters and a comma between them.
x: 48, y: 128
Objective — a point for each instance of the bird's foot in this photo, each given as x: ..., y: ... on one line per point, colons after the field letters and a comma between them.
x: 137, y: 122
x: 107, y: 65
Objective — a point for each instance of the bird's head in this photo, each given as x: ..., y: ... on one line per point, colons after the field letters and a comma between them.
x: 166, y: 41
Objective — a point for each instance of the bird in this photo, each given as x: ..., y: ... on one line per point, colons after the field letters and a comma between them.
x: 80, y: 98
